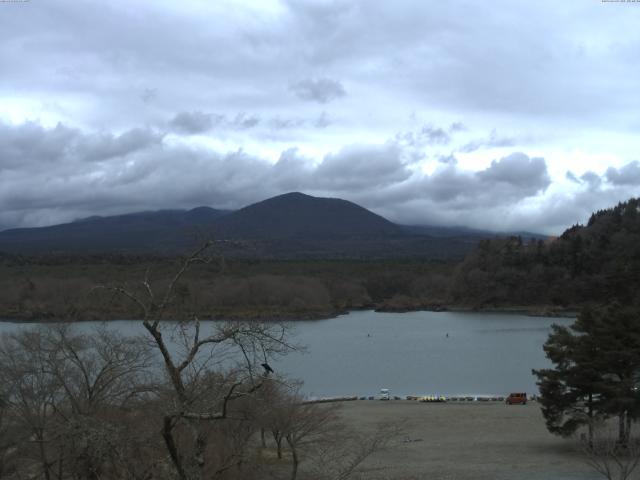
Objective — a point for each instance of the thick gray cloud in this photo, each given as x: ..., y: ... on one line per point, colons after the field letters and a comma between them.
x: 322, y: 90
x: 138, y: 169
x: 361, y: 167
x: 102, y: 173
x: 629, y: 174
x: 451, y: 184
x: 591, y: 179
x: 506, y: 180
x: 518, y: 170
x: 30, y: 146
x: 103, y: 146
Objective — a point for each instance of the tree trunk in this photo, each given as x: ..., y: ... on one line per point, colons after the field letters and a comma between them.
x: 277, y: 436
x: 294, y: 458
x: 200, y: 446
x: 622, y: 436
x: 590, y: 414
x: 167, y: 434
x: 43, y: 455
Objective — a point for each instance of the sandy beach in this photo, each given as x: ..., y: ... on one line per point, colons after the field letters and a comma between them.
x: 474, y: 440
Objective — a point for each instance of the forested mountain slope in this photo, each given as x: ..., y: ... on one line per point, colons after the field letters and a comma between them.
x: 590, y: 263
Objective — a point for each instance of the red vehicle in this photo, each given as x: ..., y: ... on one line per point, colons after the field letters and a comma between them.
x: 517, y: 399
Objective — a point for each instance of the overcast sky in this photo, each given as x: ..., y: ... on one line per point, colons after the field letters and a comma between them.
x: 505, y: 115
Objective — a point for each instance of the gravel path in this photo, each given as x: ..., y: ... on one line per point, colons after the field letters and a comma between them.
x: 459, y: 441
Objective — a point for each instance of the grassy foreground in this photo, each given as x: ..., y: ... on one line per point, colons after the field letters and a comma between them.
x: 460, y: 441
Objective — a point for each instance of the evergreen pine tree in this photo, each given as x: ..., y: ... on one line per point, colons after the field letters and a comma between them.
x: 596, y: 370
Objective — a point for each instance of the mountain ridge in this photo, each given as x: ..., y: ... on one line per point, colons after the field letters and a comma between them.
x: 289, y: 225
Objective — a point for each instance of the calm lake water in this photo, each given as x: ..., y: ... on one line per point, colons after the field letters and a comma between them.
x: 446, y: 353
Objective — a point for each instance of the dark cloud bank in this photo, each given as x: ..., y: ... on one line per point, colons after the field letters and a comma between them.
x: 51, y: 175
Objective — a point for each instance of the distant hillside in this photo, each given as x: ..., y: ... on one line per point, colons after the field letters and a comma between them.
x: 291, y: 226
x: 597, y: 262
x: 159, y: 231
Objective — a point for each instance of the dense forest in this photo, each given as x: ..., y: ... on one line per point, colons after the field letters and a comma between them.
x: 592, y: 263
x: 587, y: 264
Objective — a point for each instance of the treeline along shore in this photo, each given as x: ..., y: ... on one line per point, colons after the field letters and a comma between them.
x: 55, y: 288
x: 587, y: 264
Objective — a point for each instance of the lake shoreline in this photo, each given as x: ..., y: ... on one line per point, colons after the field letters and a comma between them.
x: 526, y: 310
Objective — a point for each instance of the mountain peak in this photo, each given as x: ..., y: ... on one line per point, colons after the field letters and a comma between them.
x: 297, y: 215
x: 293, y: 195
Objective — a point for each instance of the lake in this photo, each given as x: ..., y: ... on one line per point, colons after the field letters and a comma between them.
x: 445, y: 353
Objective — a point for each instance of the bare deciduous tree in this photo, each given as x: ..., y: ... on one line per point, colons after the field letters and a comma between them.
x: 198, y: 397
x: 317, y: 442
x: 608, y: 457
x: 342, y: 453
x: 64, y: 396
x: 6, y: 438
x: 31, y: 395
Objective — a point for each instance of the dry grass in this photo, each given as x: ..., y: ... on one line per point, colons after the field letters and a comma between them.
x: 469, y: 441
